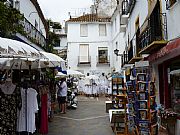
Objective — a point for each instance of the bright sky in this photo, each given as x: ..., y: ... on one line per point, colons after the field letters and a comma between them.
x: 57, y: 10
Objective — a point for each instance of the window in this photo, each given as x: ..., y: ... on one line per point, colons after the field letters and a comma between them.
x: 84, y: 53
x: 83, y: 30
x: 115, y: 25
x: 170, y: 3
x: 36, y: 24
x: 103, y: 54
x: 17, y: 5
x: 102, y: 29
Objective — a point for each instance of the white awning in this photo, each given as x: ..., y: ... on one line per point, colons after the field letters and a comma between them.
x: 16, y: 48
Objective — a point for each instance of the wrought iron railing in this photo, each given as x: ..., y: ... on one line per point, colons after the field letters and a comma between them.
x: 32, y: 34
x: 124, y: 59
x: 104, y: 60
x: 156, y: 30
x: 127, y: 6
x: 84, y: 60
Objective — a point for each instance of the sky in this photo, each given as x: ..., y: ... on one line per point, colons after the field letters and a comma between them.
x: 57, y: 10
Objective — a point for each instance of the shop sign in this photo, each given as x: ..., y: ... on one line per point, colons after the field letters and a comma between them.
x: 142, y: 64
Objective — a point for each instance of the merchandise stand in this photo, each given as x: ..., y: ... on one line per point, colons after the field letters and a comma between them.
x: 141, y: 98
x: 119, y: 101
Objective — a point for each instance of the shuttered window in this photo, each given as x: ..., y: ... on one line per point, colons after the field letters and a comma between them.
x: 84, y: 53
x: 83, y: 30
x: 102, y: 29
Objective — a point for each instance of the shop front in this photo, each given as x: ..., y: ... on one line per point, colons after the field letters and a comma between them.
x: 166, y: 67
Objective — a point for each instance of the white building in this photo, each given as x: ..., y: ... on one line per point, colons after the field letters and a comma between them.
x: 152, y: 32
x: 117, y: 39
x: 89, y: 44
x: 34, y: 23
x: 61, y: 47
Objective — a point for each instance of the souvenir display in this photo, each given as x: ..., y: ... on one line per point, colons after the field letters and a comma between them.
x: 143, y: 114
x: 143, y: 105
x: 119, y: 101
x: 141, y: 77
x: 144, y: 124
x: 142, y: 86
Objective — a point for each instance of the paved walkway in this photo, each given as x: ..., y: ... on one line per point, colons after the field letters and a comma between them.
x: 89, y: 119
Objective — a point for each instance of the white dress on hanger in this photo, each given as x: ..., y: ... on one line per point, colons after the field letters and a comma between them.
x: 32, y: 108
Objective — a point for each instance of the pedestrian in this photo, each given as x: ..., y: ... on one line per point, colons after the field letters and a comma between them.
x: 62, y: 94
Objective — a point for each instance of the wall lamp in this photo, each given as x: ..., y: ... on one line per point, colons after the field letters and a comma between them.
x: 116, y: 51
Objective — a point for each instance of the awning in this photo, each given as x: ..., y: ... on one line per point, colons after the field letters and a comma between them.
x: 171, y: 50
x: 16, y: 48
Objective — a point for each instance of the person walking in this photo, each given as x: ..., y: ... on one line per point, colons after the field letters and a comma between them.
x: 62, y: 94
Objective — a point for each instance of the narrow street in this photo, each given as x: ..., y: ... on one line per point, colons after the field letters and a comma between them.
x: 89, y: 119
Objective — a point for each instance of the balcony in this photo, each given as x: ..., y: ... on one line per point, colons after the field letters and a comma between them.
x: 84, y: 61
x: 124, y: 59
x: 133, y: 55
x: 154, y: 36
x: 103, y: 61
x: 32, y: 34
x: 127, y: 6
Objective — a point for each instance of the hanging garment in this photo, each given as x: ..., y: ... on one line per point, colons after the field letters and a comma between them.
x: 9, y: 104
x: 26, y: 117
x: 44, y: 115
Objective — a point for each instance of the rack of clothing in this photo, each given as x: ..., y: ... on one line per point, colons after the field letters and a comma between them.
x: 10, y: 103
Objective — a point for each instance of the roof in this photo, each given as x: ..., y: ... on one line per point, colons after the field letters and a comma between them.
x: 90, y: 18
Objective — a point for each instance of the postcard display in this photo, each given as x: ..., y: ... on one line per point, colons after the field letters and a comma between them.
x: 119, y: 101
x: 141, y: 104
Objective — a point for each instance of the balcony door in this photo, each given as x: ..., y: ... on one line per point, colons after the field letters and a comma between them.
x: 84, y: 53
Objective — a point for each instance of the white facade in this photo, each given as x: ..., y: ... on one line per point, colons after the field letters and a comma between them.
x: 173, y: 19
x: 93, y: 40
x: 117, y: 39
x: 28, y: 9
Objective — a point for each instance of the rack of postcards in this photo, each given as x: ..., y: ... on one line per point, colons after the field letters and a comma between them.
x: 119, y: 101
x: 141, y: 98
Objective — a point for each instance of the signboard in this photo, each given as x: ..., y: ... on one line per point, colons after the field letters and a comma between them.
x: 142, y: 64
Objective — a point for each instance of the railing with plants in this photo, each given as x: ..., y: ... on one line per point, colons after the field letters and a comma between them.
x: 103, y: 60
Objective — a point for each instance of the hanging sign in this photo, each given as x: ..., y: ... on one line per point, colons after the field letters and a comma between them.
x: 142, y: 64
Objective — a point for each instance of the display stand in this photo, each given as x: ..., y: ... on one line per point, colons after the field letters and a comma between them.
x: 141, y: 98
x: 119, y: 101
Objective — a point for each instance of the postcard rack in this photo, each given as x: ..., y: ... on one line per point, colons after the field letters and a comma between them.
x: 141, y: 98
x: 119, y: 101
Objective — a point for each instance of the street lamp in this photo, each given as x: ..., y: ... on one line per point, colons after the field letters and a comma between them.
x: 38, y: 16
x: 116, y: 51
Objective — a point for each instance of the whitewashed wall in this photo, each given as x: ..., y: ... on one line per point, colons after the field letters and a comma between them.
x: 173, y: 19
x: 26, y: 8
x: 94, y: 41
x: 117, y: 38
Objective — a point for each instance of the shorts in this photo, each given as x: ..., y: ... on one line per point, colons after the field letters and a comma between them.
x: 61, y: 100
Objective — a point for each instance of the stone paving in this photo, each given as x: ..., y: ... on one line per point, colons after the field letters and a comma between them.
x: 89, y: 118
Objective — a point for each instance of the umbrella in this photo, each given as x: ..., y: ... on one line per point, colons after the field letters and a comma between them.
x: 52, y: 60
x: 74, y: 73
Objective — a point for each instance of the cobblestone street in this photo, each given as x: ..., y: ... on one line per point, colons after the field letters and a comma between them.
x: 89, y: 119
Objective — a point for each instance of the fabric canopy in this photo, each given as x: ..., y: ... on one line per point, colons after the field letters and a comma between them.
x: 16, y: 48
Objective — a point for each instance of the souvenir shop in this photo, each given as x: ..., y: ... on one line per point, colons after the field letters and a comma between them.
x: 134, y: 105
x: 26, y: 98
x: 166, y: 67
